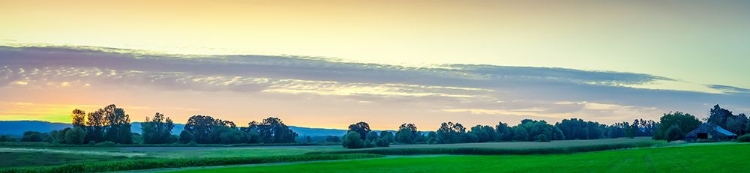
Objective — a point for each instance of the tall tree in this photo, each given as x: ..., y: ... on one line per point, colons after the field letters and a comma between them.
x: 201, y: 127
x: 362, y: 128
x: 95, y: 126
x: 117, y: 127
x: 406, y: 133
x: 157, y: 130
x: 272, y: 130
x: 79, y: 118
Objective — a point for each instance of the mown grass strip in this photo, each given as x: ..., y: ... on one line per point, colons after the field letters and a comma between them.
x: 178, y: 163
x: 491, y: 151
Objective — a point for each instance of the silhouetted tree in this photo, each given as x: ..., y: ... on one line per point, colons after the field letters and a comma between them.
x: 272, y: 130
x: 157, y: 130
x: 362, y: 128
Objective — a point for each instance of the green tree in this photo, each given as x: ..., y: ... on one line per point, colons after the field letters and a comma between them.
x: 679, y: 119
x: 406, y: 133
x: 186, y: 137
x: 352, y: 140
x: 520, y: 134
x: 75, y: 136
x: 674, y: 133
x: 387, y: 136
x: 157, y: 130
x: 362, y: 128
x: 32, y: 136
x: 372, y: 136
x: 272, y: 130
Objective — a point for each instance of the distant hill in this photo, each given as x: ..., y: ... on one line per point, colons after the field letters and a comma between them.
x: 17, y: 128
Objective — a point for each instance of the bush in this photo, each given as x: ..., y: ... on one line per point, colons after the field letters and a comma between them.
x: 352, y: 141
x: 186, y: 137
x: 541, y: 138
x: 744, y: 138
x: 106, y: 144
x: 674, y: 133
x: 7, y: 138
x: 75, y: 136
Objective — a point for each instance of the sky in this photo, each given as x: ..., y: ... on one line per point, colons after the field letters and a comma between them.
x: 333, y: 63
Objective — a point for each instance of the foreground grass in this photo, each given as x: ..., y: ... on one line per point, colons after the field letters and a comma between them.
x: 709, y: 158
x: 129, y: 164
x: 16, y: 159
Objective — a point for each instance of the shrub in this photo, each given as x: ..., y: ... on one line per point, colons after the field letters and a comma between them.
x: 383, y: 142
x: 674, y: 133
x: 75, y: 136
x: 106, y: 144
x: 7, y: 138
x: 541, y: 138
x: 186, y: 137
x: 744, y: 138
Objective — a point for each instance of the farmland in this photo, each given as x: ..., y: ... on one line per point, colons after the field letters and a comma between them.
x: 137, y: 158
x: 708, y: 158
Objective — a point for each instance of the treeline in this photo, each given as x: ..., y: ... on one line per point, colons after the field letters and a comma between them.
x: 111, y: 125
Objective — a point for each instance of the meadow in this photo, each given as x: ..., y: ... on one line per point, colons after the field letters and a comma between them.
x: 695, y: 158
x: 602, y: 155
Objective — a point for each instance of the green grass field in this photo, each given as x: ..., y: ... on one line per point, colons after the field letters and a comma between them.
x: 694, y: 158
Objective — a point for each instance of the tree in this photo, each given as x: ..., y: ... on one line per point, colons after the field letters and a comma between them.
x: 387, y: 136
x: 79, y: 118
x: 272, y: 130
x: 157, y: 130
x: 483, y: 133
x: 675, y: 133
x: 75, y: 136
x: 7, y: 138
x: 520, y: 134
x: 372, y: 136
x: 503, y: 132
x: 352, y: 140
x: 450, y: 133
x: 32, y: 136
x: 201, y: 127
x: 95, y: 126
x: 679, y: 119
x: 362, y: 128
x: 186, y: 137
x: 117, y: 125
x: 333, y: 139
x: 406, y: 133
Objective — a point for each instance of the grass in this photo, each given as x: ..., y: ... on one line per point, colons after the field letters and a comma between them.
x: 706, y: 158
x: 141, y: 164
x: 507, y: 148
x: 15, y: 159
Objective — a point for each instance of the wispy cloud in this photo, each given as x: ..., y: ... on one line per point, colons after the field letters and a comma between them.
x: 459, y: 88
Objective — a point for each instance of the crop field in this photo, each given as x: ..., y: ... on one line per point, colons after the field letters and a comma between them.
x: 708, y: 158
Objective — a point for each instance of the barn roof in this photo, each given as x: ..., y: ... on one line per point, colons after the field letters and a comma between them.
x: 710, y: 129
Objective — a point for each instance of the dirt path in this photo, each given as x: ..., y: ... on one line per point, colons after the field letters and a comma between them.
x: 266, y: 164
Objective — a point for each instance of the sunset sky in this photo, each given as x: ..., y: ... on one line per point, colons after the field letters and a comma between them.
x: 333, y: 63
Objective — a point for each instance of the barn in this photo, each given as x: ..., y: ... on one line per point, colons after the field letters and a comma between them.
x: 708, y: 132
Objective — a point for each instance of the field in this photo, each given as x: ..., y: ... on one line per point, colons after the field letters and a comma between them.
x: 557, y: 156
x: 709, y: 158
